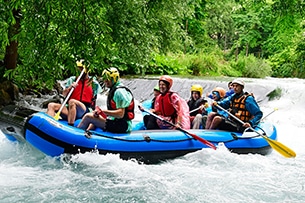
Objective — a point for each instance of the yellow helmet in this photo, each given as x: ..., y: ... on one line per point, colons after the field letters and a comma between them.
x: 111, y: 74
x: 80, y: 63
x: 197, y: 88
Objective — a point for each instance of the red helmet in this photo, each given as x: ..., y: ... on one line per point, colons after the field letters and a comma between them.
x: 167, y: 79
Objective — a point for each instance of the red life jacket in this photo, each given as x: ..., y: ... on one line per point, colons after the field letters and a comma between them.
x: 83, y: 92
x: 166, y: 107
x: 111, y: 105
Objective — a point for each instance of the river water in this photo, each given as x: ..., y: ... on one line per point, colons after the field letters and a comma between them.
x: 27, y: 175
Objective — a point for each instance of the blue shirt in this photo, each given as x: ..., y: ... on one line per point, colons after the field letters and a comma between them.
x: 250, y: 105
x: 229, y: 93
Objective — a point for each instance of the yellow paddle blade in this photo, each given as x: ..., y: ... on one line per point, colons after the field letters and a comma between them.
x: 280, y: 148
x: 57, y: 116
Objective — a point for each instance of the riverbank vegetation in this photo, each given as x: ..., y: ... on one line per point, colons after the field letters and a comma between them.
x: 41, y: 40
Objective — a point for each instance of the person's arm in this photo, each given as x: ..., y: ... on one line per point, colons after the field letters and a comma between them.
x: 229, y: 93
x: 122, y: 99
x: 209, y: 95
x: 118, y: 113
x: 68, y: 86
x: 254, y: 110
x: 225, y: 103
x: 176, y: 101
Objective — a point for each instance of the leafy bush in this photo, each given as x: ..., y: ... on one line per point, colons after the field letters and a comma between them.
x: 275, y: 94
x: 202, y: 64
x: 252, y: 67
x: 164, y: 64
x: 284, y: 63
x: 212, y: 64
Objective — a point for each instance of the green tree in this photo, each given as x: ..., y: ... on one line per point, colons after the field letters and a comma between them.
x: 55, y: 33
x: 253, y: 22
x: 219, y: 24
x: 285, y: 42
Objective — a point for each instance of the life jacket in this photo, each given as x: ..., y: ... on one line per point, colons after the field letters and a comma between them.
x: 83, y: 92
x: 166, y: 107
x: 192, y: 105
x: 238, y: 107
x: 111, y: 105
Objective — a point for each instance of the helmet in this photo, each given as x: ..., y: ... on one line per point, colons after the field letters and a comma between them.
x: 221, y: 91
x: 197, y: 88
x: 167, y: 79
x: 80, y: 63
x: 238, y: 81
x: 111, y: 74
x: 157, y: 88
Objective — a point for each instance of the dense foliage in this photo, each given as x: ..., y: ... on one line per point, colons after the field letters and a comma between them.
x: 41, y: 40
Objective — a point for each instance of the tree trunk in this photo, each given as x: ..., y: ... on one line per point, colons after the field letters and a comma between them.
x: 11, y: 53
x: 186, y: 30
x: 236, y: 53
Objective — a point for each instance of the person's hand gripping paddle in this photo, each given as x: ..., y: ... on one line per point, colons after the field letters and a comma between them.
x: 57, y: 115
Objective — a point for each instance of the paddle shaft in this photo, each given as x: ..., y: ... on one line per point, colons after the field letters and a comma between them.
x: 195, y: 109
x: 196, y: 137
x: 275, y: 109
x: 279, y: 147
x: 204, y: 106
x: 70, y: 93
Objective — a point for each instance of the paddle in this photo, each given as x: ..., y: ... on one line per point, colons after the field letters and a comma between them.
x: 206, y: 105
x: 196, y: 137
x: 279, y: 147
x: 275, y: 109
x: 57, y: 115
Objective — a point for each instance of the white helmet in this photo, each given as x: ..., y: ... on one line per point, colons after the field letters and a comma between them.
x: 238, y: 81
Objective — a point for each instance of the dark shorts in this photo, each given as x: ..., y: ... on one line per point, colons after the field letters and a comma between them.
x: 116, y: 126
x: 87, y: 111
x: 228, y: 125
x: 150, y: 122
x: 80, y: 117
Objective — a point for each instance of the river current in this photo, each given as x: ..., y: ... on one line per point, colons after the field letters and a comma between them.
x: 27, y: 175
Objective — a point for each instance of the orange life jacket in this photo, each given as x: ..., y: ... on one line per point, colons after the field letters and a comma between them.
x: 238, y: 108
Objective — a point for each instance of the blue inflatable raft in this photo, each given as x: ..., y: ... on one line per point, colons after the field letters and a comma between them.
x: 54, y: 138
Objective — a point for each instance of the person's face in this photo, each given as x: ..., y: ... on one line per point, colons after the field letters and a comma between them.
x: 237, y: 88
x: 156, y: 93
x: 195, y: 95
x: 230, y: 86
x: 108, y: 83
x: 215, y: 96
x: 163, y: 87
